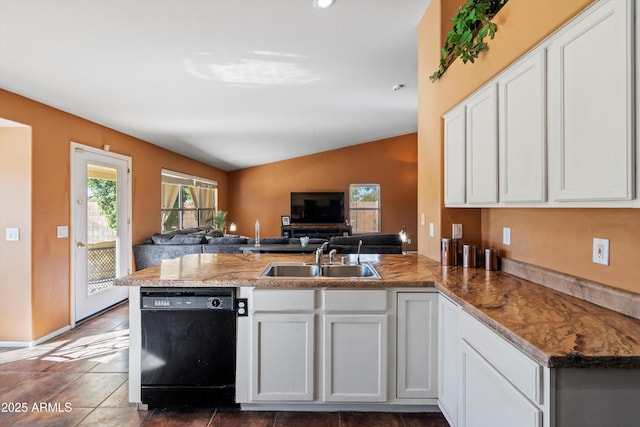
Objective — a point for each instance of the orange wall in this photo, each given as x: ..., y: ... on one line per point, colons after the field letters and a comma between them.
x: 263, y: 192
x: 559, y: 239
x: 52, y: 133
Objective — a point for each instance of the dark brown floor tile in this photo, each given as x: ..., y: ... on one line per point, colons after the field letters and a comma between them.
x: 307, y: 419
x: 90, y: 389
x: 26, y: 365
x: 53, y: 418
x: 195, y: 417
x: 119, y: 398
x: 116, y: 362
x: 370, y: 419
x: 10, y: 417
x: 434, y: 419
x: 244, y: 419
x: 115, y: 417
x: 80, y: 366
x: 9, y: 380
x: 39, y: 387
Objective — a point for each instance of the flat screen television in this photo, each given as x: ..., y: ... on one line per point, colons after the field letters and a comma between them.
x: 317, y: 207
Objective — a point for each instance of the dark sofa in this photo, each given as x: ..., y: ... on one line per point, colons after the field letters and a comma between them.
x: 371, y: 244
x: 161, y: 247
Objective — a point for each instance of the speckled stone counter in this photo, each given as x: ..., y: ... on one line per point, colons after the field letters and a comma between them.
x: 554, y: 329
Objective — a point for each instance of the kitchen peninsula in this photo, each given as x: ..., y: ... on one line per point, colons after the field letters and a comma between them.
x: 492, y: 344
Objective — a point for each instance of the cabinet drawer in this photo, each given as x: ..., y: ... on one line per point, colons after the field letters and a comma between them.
x: 355, y: 301
x: 519, y: 369
x: 288, y: 300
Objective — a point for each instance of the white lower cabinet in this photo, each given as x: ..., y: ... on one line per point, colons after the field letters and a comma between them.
x: 282, y: 345
x: 355, y: 358
x: 449, y: 361
x: 339, y: 346
x: 488, y: 399
x: 283, y: 368
x: 417, y: 345
x: 484, y: 380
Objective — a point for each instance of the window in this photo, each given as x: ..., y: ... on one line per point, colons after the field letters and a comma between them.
x: 364, y: 208
x: 187, y: 201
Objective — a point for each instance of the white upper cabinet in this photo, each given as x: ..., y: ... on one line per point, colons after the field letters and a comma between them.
x: 482, y: 146
x: 557, y: 127
x: 521, y: 118
x: 454, y: 156
x: 590, y: 121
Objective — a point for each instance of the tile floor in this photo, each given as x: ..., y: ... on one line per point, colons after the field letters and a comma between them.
x: 80, y: 379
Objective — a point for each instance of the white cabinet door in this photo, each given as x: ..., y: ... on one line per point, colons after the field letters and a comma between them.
x: 454, y: 156
x: 487, y: 399
x: 449, y: 359
x: 590, y: 81
x: 282, y: 366
x: 521, y: 117
x: 355, y: 357
x: 416, y: 364
x: 482, y: 146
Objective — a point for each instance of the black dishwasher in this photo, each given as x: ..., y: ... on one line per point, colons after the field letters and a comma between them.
x: 188, y: 347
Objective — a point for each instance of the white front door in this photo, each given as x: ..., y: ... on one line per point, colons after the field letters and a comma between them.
x: 101, y: 243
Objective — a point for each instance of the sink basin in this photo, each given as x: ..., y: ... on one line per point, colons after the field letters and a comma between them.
x: 292, y: 269
x: 277, y: 269
x: 349, y: 270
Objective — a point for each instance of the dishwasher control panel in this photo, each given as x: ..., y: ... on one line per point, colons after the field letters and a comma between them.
x: 200, y: 299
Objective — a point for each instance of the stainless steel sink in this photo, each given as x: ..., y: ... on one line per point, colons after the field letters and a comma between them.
x: 350, y: 270
x: 278, y: 269
x: 292, y: 269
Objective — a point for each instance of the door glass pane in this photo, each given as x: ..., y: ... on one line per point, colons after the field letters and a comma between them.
x: 102, y: 227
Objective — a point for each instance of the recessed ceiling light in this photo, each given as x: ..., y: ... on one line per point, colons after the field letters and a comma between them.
x: 322, y: 4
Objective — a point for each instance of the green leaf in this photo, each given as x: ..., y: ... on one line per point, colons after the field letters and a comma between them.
x: 471, y: 25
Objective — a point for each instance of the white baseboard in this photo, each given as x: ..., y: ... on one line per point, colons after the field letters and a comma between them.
x: 22, y: 344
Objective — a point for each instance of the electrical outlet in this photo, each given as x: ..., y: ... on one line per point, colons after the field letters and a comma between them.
x: 456, y: 231
x: 432, y: 229
x: 506, y: 236
x: 601, y: 251
x: 423, y: 219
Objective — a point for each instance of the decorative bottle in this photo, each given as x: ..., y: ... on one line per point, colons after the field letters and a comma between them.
x: 257, y: 233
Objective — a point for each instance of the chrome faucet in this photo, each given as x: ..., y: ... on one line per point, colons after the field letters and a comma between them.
x: 332, y: 253
x: 319, y: 252
x: 359, y: 247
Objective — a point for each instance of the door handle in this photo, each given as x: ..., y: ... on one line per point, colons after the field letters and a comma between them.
x: 80, y: 245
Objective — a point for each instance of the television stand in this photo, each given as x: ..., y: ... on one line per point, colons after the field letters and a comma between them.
x: 323, y: 231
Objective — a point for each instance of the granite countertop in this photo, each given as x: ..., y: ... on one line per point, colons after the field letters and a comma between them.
x: 553, y: 328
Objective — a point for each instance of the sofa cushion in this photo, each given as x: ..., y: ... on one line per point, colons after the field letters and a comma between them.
x: 178, y: 239
x: 368, y: 239
x: 227, y: 240
x: 270, y: 241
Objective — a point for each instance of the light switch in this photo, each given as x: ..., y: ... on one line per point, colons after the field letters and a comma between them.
x: 12, y: 234
x: 63, y: 231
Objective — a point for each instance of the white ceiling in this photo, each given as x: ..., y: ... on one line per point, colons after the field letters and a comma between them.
x: 233, y: 83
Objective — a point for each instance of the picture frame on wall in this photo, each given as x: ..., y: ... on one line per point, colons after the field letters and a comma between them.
x: 286, y: 220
